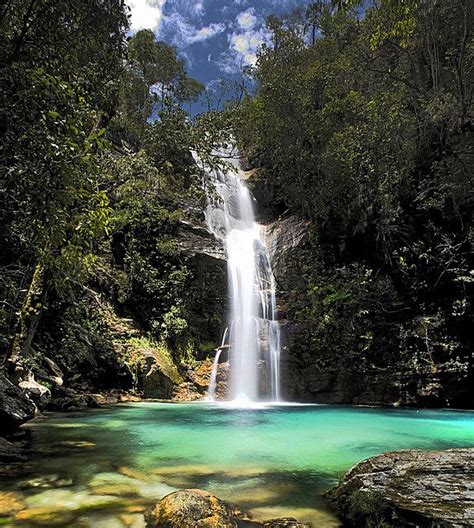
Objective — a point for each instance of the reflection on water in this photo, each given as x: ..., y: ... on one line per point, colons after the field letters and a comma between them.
x: 104, y: 467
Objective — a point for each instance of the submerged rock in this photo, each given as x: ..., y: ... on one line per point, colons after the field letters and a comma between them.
x: 15, y: 407
x: 123, y: 485
x: 60, y: 507
x: 409, y: 488
x: 193, y: 508
x: 10, y: 503
x: 46, y: 482
x: 45, y: 516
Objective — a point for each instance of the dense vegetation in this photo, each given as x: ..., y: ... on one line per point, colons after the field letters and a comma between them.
x: 362, y: 123
x: 92, y: 190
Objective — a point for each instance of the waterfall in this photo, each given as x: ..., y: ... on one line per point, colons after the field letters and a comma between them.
x: 254, y: 332
x: 213, y: 383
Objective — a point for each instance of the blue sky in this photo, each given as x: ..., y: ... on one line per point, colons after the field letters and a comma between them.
x: 216, y: 37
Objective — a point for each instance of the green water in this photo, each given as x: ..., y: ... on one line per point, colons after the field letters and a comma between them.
x: 272, y: 461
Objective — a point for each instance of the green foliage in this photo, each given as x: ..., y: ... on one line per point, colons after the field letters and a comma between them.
x: 369, y: 510
x: 96, y: 163
x: 363, y: 124
x: 154, y: 80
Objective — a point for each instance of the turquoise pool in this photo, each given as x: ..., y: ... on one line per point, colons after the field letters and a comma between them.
x: 272, y: 461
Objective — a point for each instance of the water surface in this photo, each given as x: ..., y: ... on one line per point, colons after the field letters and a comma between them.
x: 272, y: 461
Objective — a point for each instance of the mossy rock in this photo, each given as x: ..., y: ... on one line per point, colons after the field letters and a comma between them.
x: 193, y: 508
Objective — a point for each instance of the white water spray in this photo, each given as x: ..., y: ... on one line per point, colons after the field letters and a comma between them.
x: 254, y: 335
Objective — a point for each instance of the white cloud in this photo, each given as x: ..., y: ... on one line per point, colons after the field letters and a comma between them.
x: 145, y: 14
x: 206, y: 32
x: 198, y: 8
x: 247, y: 19
x: 181, y: 33
x: 188, y: 7
x: 249, y: 33
x: 243, y: 47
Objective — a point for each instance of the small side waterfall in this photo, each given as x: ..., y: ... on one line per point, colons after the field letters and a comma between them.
x: 254, y: 335
x: 213, y: 383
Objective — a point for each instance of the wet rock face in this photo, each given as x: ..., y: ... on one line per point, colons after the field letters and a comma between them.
x: 284, y: 239
x: 304, y: 378
x: 196, y: 239
x: 193, y: 509
x: 409, y: 488
x: 15, y: 407
x: 206, y: 298
x: 311, y: 372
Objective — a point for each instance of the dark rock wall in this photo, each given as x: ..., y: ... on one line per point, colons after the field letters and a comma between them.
x: 312, y: 372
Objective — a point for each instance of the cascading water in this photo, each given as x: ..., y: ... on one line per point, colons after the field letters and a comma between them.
x: 254, y: 333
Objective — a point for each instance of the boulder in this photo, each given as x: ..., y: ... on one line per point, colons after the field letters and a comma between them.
x: 193, y: 508
x: 285, y: 522
x: 409, y: 488
x: 159, y: 375
x: 37, y: 392
x: 15, y: 407
x: 10, y: 452
x: 66, y: 399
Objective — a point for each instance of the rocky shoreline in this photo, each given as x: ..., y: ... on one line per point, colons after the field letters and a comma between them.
x: 409, y: 488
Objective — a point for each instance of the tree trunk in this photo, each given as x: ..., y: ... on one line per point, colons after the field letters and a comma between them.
x: 28, y: 323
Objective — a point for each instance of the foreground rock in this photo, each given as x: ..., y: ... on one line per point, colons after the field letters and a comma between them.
x: 15, y: 407
x: 409, y: 488
x: 194, y: 508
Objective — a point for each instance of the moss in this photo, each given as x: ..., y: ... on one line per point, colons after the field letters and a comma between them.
x: 368, y: 510
x: 139, y: 347
x: 207, y: 347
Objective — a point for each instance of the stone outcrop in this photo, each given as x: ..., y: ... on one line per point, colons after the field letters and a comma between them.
x: 195, y: 508
x: 285, y: 522
x: 206, y: 259
x: 11, y: 452
x: 408, y: 489
x: 15, y: 407
x: 284, y: 239
x: 195, y: 239
x: 36, y: 391
x: 159, y: 375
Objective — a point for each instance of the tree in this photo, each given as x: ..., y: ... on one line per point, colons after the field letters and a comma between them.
x: 59, y: 64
